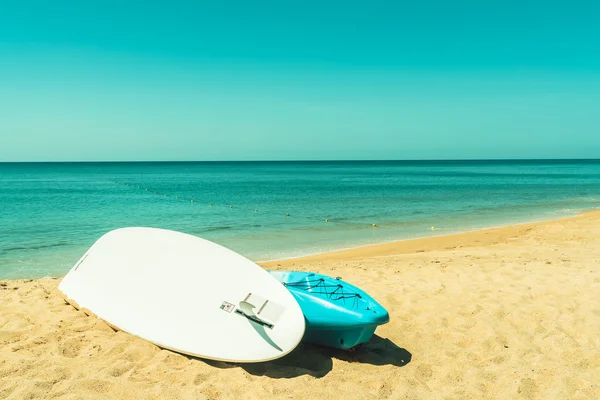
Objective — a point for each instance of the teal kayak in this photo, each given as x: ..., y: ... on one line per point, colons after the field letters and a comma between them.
x: 337, y: 314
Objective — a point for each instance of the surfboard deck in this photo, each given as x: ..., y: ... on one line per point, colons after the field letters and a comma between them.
x: 186, y: 294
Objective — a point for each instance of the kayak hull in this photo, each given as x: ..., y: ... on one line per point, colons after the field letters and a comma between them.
x: 337, y: 314
x: 339, y: 338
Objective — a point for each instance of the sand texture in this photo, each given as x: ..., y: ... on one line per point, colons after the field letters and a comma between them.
x: 506, y: 313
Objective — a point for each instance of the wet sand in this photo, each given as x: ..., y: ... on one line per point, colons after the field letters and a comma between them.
x: 504, y: 313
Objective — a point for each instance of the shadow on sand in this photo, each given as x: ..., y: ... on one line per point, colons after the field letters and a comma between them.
x: 317, y: 361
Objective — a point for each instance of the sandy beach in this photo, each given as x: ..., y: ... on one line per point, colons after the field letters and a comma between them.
x: 504, y: 313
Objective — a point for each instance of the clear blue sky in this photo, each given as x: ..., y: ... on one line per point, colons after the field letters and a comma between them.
x: 257, y: 80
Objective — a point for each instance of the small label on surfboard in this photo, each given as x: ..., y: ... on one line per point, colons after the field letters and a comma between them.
x: 227, y: 306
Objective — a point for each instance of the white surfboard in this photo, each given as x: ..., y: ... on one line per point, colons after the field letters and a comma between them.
x: 186, y: 294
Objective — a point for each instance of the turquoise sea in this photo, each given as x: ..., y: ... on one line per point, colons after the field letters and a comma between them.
x: 50, y: 213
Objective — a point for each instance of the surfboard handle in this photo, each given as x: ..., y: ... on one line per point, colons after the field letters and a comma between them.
x: 254, y: 318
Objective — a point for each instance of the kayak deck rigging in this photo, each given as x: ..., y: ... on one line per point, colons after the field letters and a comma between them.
x: 333, y: 292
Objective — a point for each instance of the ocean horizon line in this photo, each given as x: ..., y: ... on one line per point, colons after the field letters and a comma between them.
x: 344, y: 161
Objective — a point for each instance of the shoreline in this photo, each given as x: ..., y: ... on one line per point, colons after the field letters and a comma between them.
x: 404, y: 246
x: 458, y: 232
x: 400, y: 246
